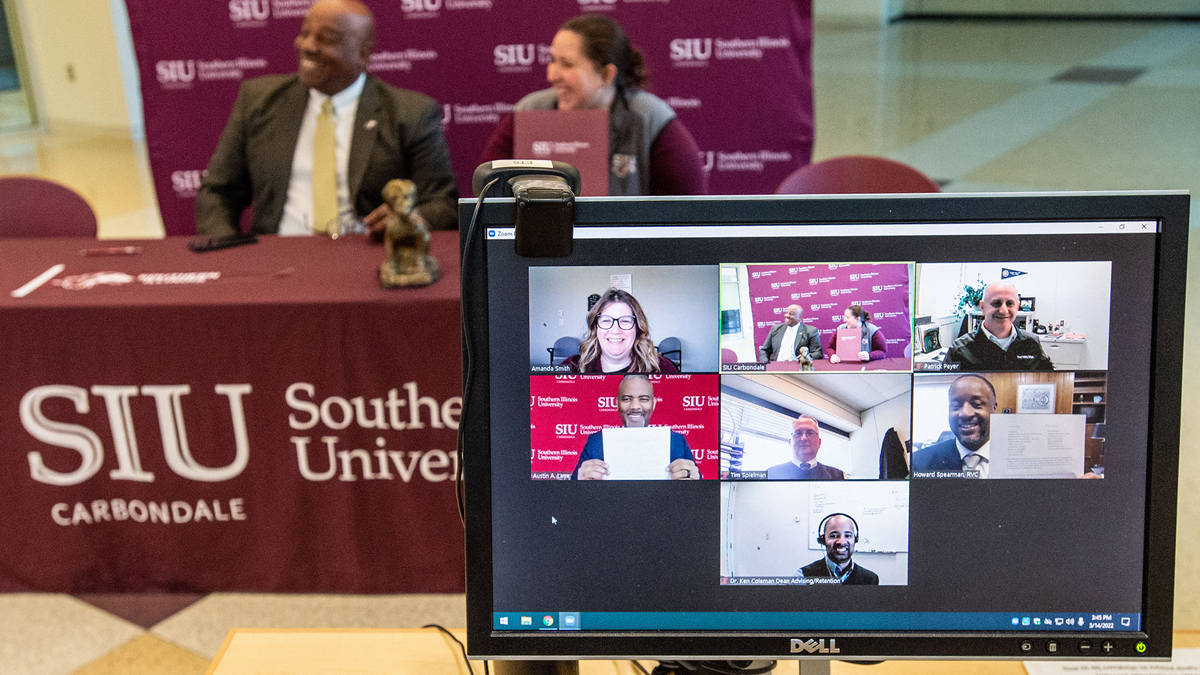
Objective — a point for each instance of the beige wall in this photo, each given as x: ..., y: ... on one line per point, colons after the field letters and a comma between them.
x: 76, y: 34
x: 855, y: 11
x: 1187, y: 555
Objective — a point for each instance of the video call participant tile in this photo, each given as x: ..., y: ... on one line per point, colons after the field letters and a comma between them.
x: 818, y: 533
x: 805, y: 316
x: 815, y: 426
x: 630, y: 427
x: 1001, y: 317
x: 1002, y: 425
x: 618, y: 319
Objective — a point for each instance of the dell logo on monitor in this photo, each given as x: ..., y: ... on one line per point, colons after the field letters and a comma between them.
x: 811, y: 646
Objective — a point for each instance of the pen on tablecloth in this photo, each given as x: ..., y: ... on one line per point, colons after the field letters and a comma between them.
x: 115, y: 250
x: 38, y: 281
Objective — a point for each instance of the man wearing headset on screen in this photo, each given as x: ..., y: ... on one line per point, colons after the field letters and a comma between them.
x: 838, y: 533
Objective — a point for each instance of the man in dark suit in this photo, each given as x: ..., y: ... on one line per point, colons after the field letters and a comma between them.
x: 798, y: 335
x: 312, y: 151
x: 806, y: 441
x: 968, y: 453
x: 838, y: 533
x: 972, y: 401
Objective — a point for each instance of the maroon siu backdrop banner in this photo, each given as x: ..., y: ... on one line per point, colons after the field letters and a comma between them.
x: 824, y: 291
x: 565, y: 409
x: 740, y: 80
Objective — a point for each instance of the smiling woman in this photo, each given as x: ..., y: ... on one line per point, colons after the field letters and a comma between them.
x: 618, y: 339
x: 593, y: 66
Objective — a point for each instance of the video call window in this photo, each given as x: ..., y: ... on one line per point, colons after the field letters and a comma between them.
x: 1004, y: 425
x: 805, y: 533
x: 656, y: 319
x: 816, y: 316
x: 1054, y: 316
x: 815, y: 426
x: 631, y: 427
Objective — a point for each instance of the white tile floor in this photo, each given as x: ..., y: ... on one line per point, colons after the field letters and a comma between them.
x: 968, y: 102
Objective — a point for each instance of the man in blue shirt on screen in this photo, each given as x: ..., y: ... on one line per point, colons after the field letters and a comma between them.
x: 635, y: 404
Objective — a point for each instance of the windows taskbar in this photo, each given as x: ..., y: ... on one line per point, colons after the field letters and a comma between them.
x: 825, y: 621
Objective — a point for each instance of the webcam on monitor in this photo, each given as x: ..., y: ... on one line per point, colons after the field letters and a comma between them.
x: 544, y: 193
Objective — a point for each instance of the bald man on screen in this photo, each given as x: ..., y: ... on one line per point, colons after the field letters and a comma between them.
x: 999, y: 345
x: 806, y: 441
x: 787, y: 339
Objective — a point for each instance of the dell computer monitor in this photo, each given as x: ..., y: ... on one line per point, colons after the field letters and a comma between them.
x: 863, y: 428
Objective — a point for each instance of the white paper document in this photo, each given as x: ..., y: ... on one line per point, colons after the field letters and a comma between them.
x: 1037, y: 446
x: 1182, y: 661
x: 637, y: 453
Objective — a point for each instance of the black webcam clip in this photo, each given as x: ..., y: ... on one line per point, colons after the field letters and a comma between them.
x: 545, y: 201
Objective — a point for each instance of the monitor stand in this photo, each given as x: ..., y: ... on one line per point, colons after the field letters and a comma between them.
x: 536, y: 667
x: 807, y: 667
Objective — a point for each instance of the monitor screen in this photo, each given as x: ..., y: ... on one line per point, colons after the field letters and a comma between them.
x: 858, y: 428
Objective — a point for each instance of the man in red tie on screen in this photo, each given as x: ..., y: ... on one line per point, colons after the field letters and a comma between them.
x: 312, y: 151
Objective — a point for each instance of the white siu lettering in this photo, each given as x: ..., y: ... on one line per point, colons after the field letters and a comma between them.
x: 433, y: 466
x: 85, y: 442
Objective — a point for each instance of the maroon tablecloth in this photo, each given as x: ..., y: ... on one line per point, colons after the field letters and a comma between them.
x: 259, y: 418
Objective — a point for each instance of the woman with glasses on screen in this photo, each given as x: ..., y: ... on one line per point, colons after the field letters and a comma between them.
x: 592, y: 65
x: 872, y: 345
x: 618, y: 339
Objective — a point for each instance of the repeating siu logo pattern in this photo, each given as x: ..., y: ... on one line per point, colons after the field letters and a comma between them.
x: 432, y: 9
x: 184, y: 73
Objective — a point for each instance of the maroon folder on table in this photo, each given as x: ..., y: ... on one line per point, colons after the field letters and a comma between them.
x: 849, y: 344
x: 577, y: 137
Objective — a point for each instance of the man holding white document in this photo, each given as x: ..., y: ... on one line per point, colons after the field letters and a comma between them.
x: 987, y: 445
x: 636, y: 451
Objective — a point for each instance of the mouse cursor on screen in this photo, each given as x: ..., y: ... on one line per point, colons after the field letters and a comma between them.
x: 553, y: 520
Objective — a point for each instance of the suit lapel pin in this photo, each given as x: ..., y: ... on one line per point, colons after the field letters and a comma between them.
x: 370, y: 125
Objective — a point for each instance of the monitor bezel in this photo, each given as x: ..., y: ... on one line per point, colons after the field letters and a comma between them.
x: 1169, y: 208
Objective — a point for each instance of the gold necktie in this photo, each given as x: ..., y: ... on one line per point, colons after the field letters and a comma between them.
x: 324, y: 175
